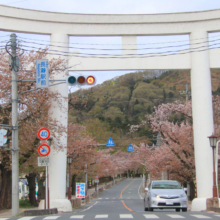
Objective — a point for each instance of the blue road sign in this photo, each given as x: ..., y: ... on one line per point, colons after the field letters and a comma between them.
x: 110, y: 143
x: 42, y: 73
x: 130, y: 148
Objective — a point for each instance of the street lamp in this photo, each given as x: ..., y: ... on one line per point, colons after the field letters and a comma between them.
x: 69, y: 161
x: 213, y: 141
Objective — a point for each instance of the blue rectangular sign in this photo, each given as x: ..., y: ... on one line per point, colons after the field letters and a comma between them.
x: 42, y: 73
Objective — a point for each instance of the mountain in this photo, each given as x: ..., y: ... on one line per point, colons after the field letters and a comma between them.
x: 107, y: 109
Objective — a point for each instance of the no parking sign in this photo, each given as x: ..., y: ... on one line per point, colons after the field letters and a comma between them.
x: 44, y: 150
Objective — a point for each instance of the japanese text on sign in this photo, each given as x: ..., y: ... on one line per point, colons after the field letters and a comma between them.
x: 43, y: 161
x: 42, y: 73
x: 80, y: 190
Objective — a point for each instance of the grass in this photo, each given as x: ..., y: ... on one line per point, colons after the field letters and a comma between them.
x: 24, y: 203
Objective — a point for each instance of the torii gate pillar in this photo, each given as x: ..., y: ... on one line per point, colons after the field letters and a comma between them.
x: 203, y: 125
x: 58, y: 159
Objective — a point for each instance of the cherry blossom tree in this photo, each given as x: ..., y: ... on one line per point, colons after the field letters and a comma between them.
x: 176, y: 154
x: 32, y: 115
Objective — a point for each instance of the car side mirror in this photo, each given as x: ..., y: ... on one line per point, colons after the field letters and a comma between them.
x: 146, y: 189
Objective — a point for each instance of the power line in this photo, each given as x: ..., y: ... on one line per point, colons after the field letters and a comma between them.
x: 120, y: 49
x: 127, y: 56
x: 124, y: 44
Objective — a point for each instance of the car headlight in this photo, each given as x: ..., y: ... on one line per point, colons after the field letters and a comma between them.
x: 183, y: 195
x: 155, y: 195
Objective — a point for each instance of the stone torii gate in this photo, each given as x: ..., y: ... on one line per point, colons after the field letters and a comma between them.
x: 196, y: 24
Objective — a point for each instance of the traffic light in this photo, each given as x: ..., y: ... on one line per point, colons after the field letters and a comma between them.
x: 4, y: 134
x: 80, y: 80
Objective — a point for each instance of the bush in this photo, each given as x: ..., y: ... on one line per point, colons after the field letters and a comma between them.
x: 24, y: 203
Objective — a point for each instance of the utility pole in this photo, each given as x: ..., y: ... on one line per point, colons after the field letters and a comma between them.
x: 187, y: 93
x: 14, y: 65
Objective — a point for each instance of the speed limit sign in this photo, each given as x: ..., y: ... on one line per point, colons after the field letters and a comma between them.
x: 43, y: 133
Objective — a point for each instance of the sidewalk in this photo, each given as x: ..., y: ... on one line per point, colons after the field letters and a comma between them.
x: 7, y: 213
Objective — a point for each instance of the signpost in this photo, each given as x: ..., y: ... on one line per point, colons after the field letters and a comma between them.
x: 3, y: 137
x: 43, y: 133
x: 43, y: 161
x: 110, y: 143
x: 80, y: 190
x: 42, y: 73
x: 96, y: 183
x: 130, y: 148
x: 44, y: 150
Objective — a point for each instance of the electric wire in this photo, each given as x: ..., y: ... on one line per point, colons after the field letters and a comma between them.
x: 124, y: 44
x: 124, y: 55
x: 121, y: 49
x: 127, y: 56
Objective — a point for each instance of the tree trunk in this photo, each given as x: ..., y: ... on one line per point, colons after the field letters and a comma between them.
x: 32, y: 192
x: 73, y: 184
x: 41, y: 189
x: 5, y: 197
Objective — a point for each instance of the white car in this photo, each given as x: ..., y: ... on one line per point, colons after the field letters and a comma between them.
x: 165, y: 194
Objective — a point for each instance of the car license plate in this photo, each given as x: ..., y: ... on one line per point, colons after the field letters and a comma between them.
x: 169, y: 203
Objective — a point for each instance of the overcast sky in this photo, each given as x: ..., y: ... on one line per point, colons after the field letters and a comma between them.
x: 114, y: 7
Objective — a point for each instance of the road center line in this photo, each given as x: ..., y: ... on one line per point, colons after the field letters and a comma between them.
x: 121, y: 196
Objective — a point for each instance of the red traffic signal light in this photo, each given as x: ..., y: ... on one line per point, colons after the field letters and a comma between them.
x: 90, y: 80
x: 80, y: 80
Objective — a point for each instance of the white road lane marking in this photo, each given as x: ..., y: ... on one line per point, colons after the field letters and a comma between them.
x: 101, y: 216
x: 200, y: 216
x: 175, y: 216
x: 89, y: 207
x: 150, y: 216
x: 4, y: 218
x: 27, y: 218
x: 51, y: 217
x: 126, y: 216
x: 77, y: 216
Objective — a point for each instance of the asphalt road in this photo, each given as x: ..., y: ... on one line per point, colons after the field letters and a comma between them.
x: 123, y: 201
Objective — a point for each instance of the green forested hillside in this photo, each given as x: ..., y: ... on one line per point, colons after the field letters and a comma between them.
x: 108, y: 109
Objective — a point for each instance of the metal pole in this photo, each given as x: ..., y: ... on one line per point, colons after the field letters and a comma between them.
x: 86, y: 181
x: 216, y: 167
x: 214, y: 175
x: 46, y: 185
x: 48, y: 194
x: 45, y: 188
x: 15, y: 153
x: 69, y: 189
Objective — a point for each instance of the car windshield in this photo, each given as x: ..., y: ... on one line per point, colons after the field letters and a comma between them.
x: 166, y: 185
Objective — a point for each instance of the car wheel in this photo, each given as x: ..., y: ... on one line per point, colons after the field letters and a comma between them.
x: 177, y: 210
x: 145, y: 209
x: 151, y: 209
x: 184, y: 209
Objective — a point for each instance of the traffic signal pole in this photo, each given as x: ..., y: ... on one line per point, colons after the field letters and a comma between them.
x: 15, y: 153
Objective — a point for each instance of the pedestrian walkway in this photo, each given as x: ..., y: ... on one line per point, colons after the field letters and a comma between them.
x: 139, y: 216
x: 7, y: 213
